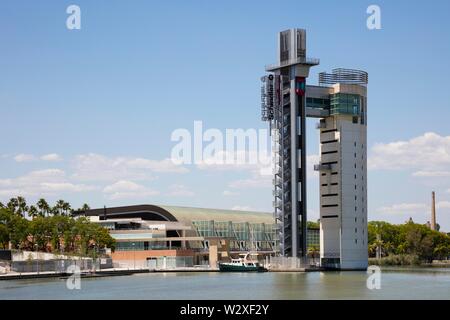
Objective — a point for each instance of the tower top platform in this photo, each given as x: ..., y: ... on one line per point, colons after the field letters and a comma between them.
x: 292, y: 50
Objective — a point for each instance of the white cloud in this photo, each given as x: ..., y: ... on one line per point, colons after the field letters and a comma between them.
x: 404, y: 208
x: 39, y: 183
x: 124, y: 189
x: 65, y: 187
x: 51, y: 157
x: 97, y: 167
x: 256, y: 182
x: 179, y: 190
x: 22, y: 157
x: 443, y: 205
x: 166, y: 165
x: 432, y: 174
x: 228, y: 193
x: 429, y: 152
x: 237, y: 160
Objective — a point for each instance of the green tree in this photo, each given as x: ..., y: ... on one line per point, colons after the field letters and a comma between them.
x: 4, y: 236
x: 43, y: 207
x: 66, y: 208
x: 22, y: 207
x: 33, y: 211
x: 41, y: 230
x: 313, y: 252
x: 58, y: 209
x: 18, y: 231
x: 60, y: 231
x: 313, y: 225
x: 12, y: 205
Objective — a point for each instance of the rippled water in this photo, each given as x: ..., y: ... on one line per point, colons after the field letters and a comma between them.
x: 401, y: 283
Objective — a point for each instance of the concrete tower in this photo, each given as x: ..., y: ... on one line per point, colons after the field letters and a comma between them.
x: 343, y: 169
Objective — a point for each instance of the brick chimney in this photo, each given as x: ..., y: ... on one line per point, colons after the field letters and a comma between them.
x: 433, y: 211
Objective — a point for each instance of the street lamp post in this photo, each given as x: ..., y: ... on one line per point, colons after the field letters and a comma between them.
x: 134, y: 256
x: 37, y: 258
x: 95, y: 265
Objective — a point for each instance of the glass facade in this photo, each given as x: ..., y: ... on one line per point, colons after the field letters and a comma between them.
x: 242, y: 235
x: 343, y: 103
x: 140, y: 245
x: 313, y: 239
x: 170, y: 262
x: 318, y: 103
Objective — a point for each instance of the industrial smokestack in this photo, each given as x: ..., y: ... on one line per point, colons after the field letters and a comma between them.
x: 433, y: 211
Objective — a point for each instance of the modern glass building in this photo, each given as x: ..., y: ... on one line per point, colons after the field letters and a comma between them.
x: 182, y: 236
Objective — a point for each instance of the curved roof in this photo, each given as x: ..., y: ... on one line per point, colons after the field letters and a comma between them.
x: 192, y: 214
x: 183, y: 214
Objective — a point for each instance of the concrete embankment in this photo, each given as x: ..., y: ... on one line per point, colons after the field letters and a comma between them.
x: 96, y: 274
x: 125, y: 272
x: 42, y: 275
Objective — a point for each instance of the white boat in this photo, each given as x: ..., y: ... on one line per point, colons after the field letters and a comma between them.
x: 241, y: 264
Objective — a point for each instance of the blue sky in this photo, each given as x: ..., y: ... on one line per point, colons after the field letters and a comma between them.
x: 97, y: 101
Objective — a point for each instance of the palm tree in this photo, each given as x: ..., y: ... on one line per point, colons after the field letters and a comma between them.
x: 85, y: 207
x: 33, y: 212
x: 43, y: 207
x: 12, y: 205
x: 379, y: 246
x: 22, y: 207
x: 59, y: 207
x: 66, y: 207
x: 313, y: 251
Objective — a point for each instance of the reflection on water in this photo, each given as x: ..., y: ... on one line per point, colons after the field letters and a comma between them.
x: 396, y: 283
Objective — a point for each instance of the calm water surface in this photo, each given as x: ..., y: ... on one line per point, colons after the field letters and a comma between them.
x: 401, y: 283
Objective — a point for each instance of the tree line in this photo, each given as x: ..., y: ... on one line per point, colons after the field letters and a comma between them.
x: 417, y: 241
x: 50, y: 229
x: 18, y: 205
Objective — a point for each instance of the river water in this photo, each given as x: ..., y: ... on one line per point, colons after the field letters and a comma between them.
x: 399, y: 283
